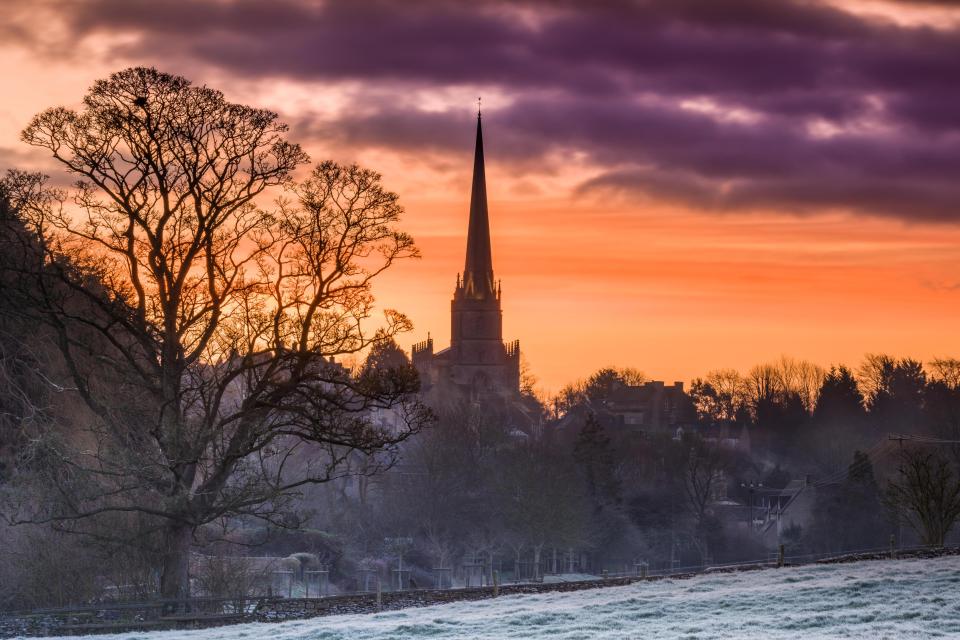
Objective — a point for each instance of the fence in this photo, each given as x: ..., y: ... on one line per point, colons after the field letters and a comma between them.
x: 204, y: 612
x: 126, y: 616
x: 775, y: 559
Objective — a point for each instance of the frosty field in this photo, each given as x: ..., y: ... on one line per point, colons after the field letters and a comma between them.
x: 884, y: 599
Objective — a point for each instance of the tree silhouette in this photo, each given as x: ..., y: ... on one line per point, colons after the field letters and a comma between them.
x: 593, y: 453
x: 596, y: 389
x: 720, y: 397
x: 219, y: 317
x: 926, y: 494
x: 385, y: 354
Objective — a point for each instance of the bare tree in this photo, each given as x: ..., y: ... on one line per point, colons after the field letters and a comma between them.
x: 946, y: 371
x: 528, y: 380
x: 702, y: 473
x: 219, y: 318
x: 721, y: 396
x: 926, y: 494
x: 801, y: 378
x: 777, y: 381
x: 874, y: 373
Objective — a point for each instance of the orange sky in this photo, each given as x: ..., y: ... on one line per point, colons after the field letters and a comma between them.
x: 676, y: 293
x: 595, y: 280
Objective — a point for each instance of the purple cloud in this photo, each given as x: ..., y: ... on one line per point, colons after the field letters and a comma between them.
x: 803, y: 106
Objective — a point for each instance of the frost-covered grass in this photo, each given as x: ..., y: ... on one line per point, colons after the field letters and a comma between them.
x: 882, y: 599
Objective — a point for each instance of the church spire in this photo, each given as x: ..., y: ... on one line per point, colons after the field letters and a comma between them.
x: 478, y: 272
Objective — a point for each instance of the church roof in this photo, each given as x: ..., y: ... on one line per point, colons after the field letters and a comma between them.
x: 478, y: 270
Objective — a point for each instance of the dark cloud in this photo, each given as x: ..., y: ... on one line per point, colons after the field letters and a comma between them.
x: 904, y: 198
x: 691, y: 157
x: 803, y: 105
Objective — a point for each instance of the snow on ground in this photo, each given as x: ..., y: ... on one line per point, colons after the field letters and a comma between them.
x: 883, y: 599
x: 569, y: 577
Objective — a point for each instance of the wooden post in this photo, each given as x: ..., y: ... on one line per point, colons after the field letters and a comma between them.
x: 496, y: 583
x: 780, y: 557
x: 605, y: 575
x: 643, y: 570
x: 379, y: 595
x: 893, y: 547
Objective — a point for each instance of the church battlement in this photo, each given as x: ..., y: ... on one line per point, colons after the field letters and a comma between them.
x: 424, y: 347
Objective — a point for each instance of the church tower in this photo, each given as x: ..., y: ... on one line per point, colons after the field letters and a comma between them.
x: 477, y: 359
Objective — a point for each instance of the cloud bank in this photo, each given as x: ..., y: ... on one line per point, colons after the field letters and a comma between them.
x: 794, y: 106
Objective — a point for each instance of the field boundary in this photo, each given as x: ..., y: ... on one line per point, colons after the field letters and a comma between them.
x: 215, y: 612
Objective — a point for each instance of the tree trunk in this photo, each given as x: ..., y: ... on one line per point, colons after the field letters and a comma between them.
x: 934, y: 532
x: 175, y: 576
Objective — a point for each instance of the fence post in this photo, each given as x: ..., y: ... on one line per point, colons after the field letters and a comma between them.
x: 379, y: 595
x: 893, y: 547
x: 780, y: 557
x: 496, y: 583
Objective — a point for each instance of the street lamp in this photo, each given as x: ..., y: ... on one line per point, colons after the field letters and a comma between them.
x: 751, y: 487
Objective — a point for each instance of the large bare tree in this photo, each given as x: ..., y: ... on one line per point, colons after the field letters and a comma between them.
x: 926, y: 494
x: 199, y: 326
x: 702, y: 467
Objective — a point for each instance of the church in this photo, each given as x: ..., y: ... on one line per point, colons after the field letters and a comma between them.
x: 478, y: 363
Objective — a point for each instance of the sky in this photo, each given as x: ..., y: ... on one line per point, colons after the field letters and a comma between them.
x: 676, y: 186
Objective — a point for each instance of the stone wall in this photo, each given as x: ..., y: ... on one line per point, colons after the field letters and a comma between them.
x: 107, y: 618
x: 293, y: 608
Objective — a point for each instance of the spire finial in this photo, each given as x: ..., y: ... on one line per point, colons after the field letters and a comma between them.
x: 478, y: 106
